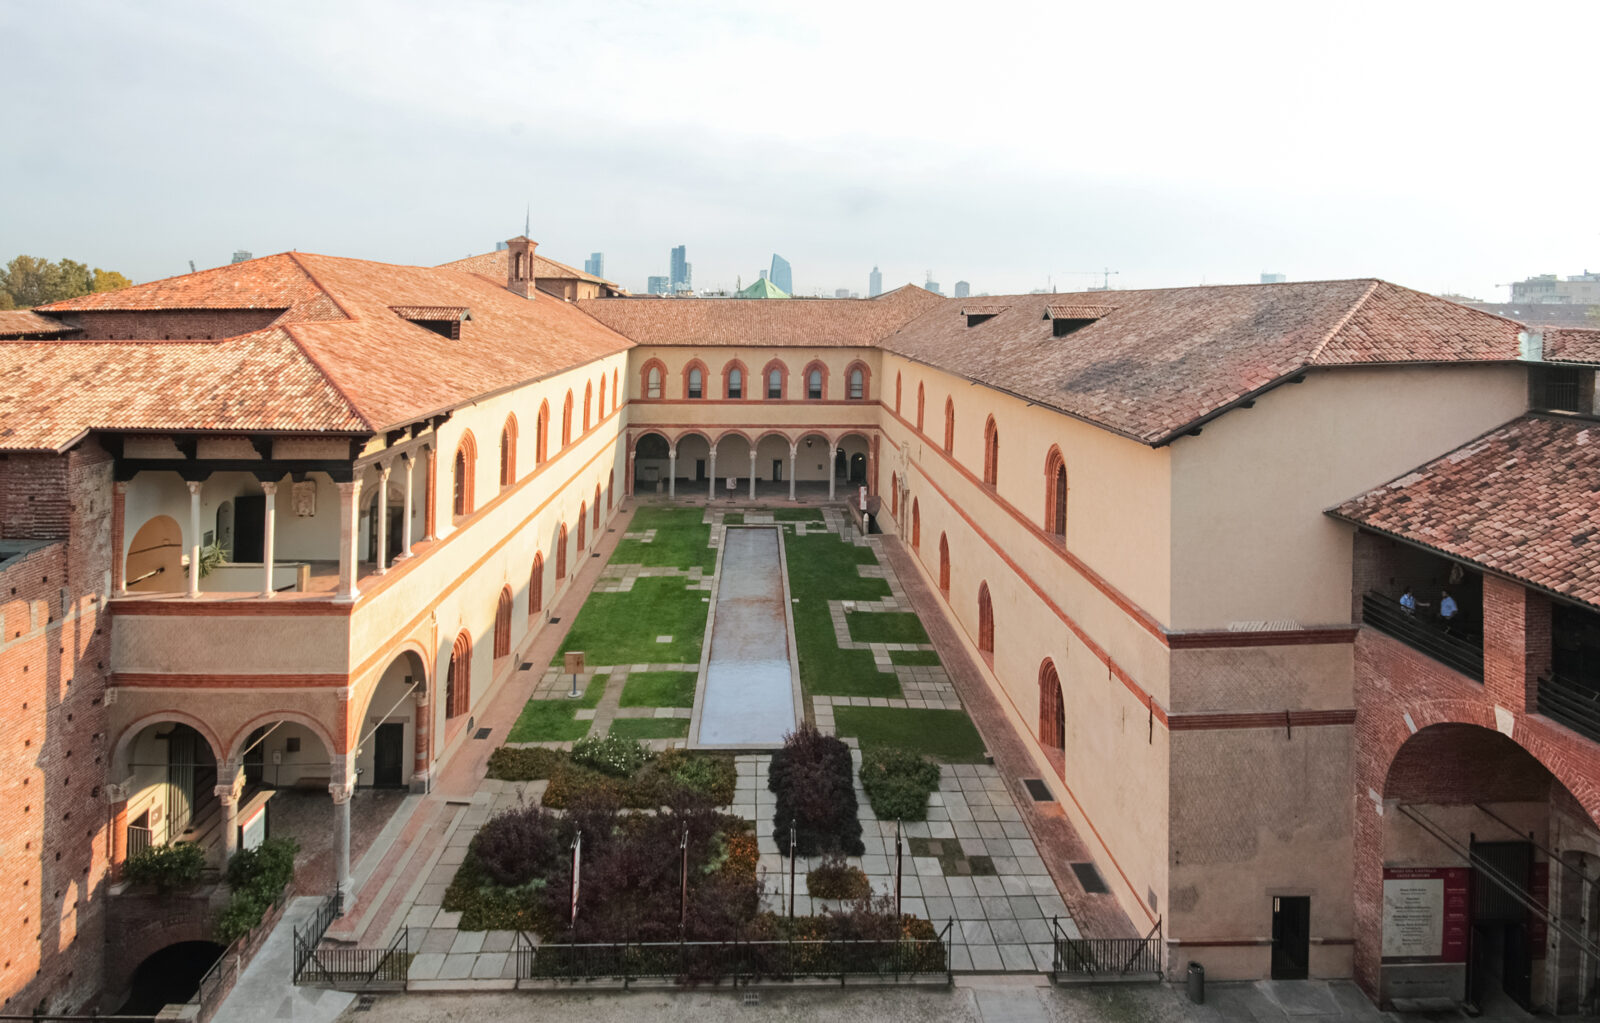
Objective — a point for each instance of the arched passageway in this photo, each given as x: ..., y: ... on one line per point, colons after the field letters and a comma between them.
x: 169, y: 977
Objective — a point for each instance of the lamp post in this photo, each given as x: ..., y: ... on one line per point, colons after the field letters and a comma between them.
x: 792, y: 852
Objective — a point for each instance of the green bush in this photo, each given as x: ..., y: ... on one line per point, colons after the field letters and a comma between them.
x: 610, y: 754
x: 897, y: 783
x: 711, y: 775
x: 836, y: 879
x: 257, y: 876
x: 516, y: 763
x: 167, y: 867
x: 486, y: 906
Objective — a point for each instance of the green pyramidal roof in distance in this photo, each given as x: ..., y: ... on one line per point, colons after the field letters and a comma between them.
x: 763, y: 288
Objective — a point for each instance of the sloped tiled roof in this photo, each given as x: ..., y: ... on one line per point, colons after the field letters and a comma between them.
x: 53, y: 391
x: 1522, y: 501
x: 496, y: 267
x: 1572, y: 345
x: 1160, y: 361
x: 271, y: 282
x: 23, y: 322
x: 799, y: 323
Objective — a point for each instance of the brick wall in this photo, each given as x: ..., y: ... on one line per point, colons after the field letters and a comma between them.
x: 161, y: 324
x: 53, y: 656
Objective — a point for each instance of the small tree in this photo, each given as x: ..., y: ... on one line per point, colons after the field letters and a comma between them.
x: 166, y: 867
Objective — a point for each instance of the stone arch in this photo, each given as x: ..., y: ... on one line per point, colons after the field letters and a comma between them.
x: 814, y: 380
x: 502, y: 623
x: 780, y: 434
x: 1052, y: 710
x: 241, y: 735
x: 155, y: 556
x: 541, y: 435
x: 985, y: 622
x: 944, y: 565
x: 1055, y: 494
x: 464, y: 467
x: 858, y: 388
x: 729, y: 385
x: 566, y: 419
x: 732, y: 432
x: 508, y: 451
x: 652, y: 388
x: 690, y: 368
x: 588, y: 402
x: 458, y: 677
x: 991, y: 452
x: 775, y: 366
x: 119, y: 752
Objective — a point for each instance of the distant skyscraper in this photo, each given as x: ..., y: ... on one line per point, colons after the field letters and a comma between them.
x: 681, y: 270
x: 874, y: 283
x: 595, y: 265
x: 841, y: 292
x: 780, y: 274
x: 659, y: 286
x: 932, y: 285
x: 1274, y: 278
x: 241, y: 256
x: 963, y: 289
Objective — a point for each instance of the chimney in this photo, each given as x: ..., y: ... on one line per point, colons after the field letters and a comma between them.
x: 519, y: 265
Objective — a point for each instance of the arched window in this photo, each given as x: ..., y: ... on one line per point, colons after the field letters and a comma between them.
x: 596, y: 511
x: 611, y: 487
x: 616, y: 392
x: 814, y: 384
x: 733, y: 381
x: 856, y: 382
x: 458, y: 680
x: 944, y: 565
x: 566, y: 420
x: 1055, y: 495
x: 777, y: 375
x: 916, y: 524
x: 653, y: 371
x: 894, y: 495
x: 502, y: 623
x: 897, y: 394
x: 536, y: 586
x: 541, y: 434
x: 588, y: 398
x: 949, y: 425
x: 1052, y: 711
x: 696, y: 385
x: 583, y: 526
x: 985, y: 623
x: 921, y: 402
x: 991, y: 452
x: 600, y: 409
x: 508, y: 452
x: 465, y: 466
x: 561, y: 553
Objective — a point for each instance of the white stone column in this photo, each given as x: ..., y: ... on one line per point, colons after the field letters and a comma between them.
x: 194, y: 538
x: 794, y: 454
x: 269, y: 531
x: 228, y: 795
x: 405, y: 522
x: 672, y: 473
x: 341, y: 792
x: 833, y: 460
x: 752, y: 474
x: 349, y: 530
x: 713, y: 492
x: 381, y: 510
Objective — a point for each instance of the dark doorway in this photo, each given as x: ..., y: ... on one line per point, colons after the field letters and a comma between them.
x: 388, y: 754
x: 171, y: 975
x: 1502, y: 955
x: 858, y: 469
x: 700, y: 469
x: 1291, y: 937
x: 255, y: 758
x: 777, y: 470
x: 249, y: 520
x: 392, y: 539
x: 840, y: 466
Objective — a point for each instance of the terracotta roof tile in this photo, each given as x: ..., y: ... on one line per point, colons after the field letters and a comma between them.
x: 1569, y: 345
x: 1522, y: 501
x: 25, y: 322
x: 1164, y: 360
x: 431, y: 312
x: 53, y: 391
x: 800, y: 323
x: 1076, y: 311
x: 496, y: 266
x: 271, y: 282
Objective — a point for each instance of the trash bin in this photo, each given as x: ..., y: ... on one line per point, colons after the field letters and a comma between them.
x: 1196, y: 984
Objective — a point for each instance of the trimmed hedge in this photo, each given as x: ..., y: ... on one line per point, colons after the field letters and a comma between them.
x: 524, y: 763
x: 812, y: 778
x: 836, y: 879
x: 898, y: 782
x: 655, y: 784
x: 257, y: 877
x: 166, y: 867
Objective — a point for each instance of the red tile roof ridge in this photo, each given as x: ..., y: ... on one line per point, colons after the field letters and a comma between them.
x: 295, y: 258
x: 355, y: 410
x: 1321, y: 346
x: 115, y: 301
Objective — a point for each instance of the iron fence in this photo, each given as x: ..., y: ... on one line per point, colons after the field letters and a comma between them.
x: 1108, y: 957
x: 360, y: 969
x: 907, y: 960
x: 307, y: 938
x: 138, y: 839
x: 1440, y: 642
x: 1571, y: 702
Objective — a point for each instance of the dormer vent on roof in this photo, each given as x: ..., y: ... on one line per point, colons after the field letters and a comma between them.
x: 1067, y: 317
x: 519, y: 266
x: 444, y: 320
x: 977, y: 314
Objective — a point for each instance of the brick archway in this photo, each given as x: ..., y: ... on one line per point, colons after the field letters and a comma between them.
x: 458, y: 679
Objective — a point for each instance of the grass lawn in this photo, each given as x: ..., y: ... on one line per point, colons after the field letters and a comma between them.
x: 733, y: 519
x: 651, y: 728
x: 659, y: 689
x: 797, y: 515
x: 886, y: 627
x: 946, y: 735
x: 915, y: 658
x: 621, y: 628
x: 553, y: 720
x: 823, y: 568
x: 681, y: 539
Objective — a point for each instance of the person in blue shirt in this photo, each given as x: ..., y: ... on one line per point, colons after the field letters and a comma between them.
x: 1408, y: 603
x: 1447, y: 606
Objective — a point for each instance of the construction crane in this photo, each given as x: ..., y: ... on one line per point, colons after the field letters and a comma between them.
x: 1105, y: 274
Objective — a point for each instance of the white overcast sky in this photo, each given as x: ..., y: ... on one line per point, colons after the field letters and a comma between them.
x: 1445, y: 146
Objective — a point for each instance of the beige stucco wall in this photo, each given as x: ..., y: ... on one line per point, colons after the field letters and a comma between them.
x: 1249, y: 540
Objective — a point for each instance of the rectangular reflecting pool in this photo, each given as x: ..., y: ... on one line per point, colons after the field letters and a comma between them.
x: 751, y: 689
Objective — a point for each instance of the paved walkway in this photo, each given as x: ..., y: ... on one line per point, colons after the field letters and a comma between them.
x: 750, y: 687
x: 264, y: 992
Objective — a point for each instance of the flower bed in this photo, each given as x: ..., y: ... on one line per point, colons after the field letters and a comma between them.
x: 648, y: 785
x: 836, y: 879
x: 812, y: 779
x: 898, y: 782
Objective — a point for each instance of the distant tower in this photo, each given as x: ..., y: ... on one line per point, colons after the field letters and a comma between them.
x: 240, y: 256
x: 963, y: 289
x: 658, y: 286
x: 595, y: 265
x: 874, y: 283
x: 780, y: 275
x: 519, y: 265
x: 1274, y: 278
x: 681, y: 270
x: 932, y: 285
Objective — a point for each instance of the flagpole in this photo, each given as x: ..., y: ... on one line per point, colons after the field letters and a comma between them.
x: 683, y: 908
x: 898, y: 860
x: 577, y: 869
x: 792, y: 852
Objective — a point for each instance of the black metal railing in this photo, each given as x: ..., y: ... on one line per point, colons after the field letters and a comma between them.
x: 1572, y: 703
x: 307, y: 938
x: 360, y: 969
x: 907, y: 961
x: 1423, y: 633
x: 1108, y: 957
x: 138, y: 839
